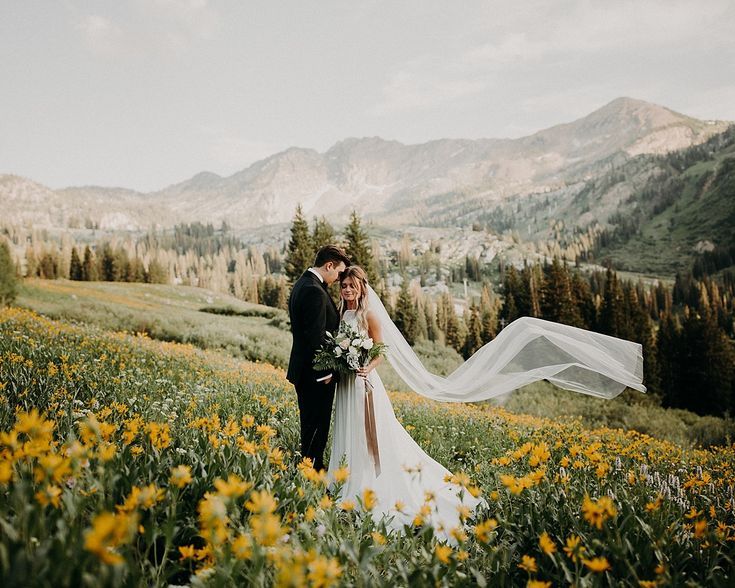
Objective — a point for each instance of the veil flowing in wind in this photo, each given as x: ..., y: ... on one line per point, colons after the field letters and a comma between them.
x: 527, y: 350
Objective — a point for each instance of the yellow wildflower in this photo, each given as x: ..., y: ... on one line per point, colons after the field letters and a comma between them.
x: 484, y: 530
x: 323, y: 571
x: 546, y: 544
x: 443, y: 553
x: 574, y: 547
x: 242, y: 547
x: 108, y: 532
x: 49, y: 495
x: 597, y: 564
x: 369, y: 499
x: 341, y: 475
x: 528, y: 563
x: 261, y: 502
x: 266, y: 529
x: 597, y: 512
x: 187, y: 551
x: 232, y: 487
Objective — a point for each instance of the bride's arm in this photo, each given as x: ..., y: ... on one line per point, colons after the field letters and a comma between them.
x: 376, y: 334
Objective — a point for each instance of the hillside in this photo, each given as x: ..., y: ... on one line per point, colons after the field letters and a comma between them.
x: 202, y: 318
x: 684, y: 210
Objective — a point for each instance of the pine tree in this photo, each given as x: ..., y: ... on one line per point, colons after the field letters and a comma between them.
x: 473, y: 340
x: 300, y: 252
x: 89, y: 266
x: 358, y: 248
x: 706, y: 367
x: 31, y: 262
x: 48, y: 266
x: 108, y: 269
x: 136, y: 271
x: 488, y: 314
x: 75, y: 266
x: 432, y: 329
x: 121, y: 266
x: 8, y: 280
x: 454, y: 333
x: 584, y: 301
x: 611, y: 313
x: 406, y: 318
x: 668, y: 350
x: 512, y: 289
x: 323, y: 233
x: 557, y: 301
x: 157, y: 273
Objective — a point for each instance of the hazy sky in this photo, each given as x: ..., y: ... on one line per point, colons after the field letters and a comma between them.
x: 145, y: 93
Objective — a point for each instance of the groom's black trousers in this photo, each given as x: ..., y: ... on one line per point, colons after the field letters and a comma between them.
x: 315, y: 413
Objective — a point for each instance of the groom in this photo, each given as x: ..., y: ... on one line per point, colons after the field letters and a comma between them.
x: 313, y: 312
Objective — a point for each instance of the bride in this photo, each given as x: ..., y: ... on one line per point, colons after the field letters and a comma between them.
x: 408, y: 485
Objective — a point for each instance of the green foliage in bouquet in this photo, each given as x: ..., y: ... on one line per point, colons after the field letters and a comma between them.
x: 347, y: 351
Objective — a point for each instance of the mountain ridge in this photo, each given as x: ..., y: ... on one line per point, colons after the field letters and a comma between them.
x: 381, y: 178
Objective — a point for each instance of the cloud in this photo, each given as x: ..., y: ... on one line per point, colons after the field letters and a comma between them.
x: 416, y: 87
x: 508, y: 41
x: 146, y: 26
x: 230, y: 152
x: 100, y: 34
x: 580, y: 29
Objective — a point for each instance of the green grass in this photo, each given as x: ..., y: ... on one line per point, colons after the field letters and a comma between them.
x: 667, y: 240
x: 168, y: 313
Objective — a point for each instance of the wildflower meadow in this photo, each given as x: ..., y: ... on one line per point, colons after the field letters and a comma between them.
x: 126, y: 461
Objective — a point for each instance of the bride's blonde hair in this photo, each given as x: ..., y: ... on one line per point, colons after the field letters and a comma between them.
x: 360, y: 279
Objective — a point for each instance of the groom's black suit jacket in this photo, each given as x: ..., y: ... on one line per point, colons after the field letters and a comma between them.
x: 312, y: 313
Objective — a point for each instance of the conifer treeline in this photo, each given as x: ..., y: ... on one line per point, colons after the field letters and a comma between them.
x: 686, y: 330
x: 193, y: 255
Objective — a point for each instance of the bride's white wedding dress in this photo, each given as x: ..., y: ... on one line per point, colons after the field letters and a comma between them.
x: 527, y: 350
x: 406, y: 472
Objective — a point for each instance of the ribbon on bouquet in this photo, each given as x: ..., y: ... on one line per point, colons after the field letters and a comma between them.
x: 371, y: 433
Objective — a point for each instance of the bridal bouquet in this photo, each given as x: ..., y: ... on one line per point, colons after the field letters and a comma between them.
x: 347, y: 351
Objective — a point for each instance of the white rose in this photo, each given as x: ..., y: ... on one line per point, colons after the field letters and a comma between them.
x: 367, y: 344
x: 344, y: 344
x: 356, y: 342
x: 338, y: 351
x: 353, y: 351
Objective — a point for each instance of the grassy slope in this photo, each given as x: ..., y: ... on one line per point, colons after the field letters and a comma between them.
x: 169, y: 313
x: 705, y: 210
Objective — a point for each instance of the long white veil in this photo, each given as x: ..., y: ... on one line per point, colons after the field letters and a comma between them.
x: 527, y: 350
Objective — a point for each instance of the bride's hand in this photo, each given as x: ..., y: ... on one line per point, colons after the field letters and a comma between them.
x: 363, y: 372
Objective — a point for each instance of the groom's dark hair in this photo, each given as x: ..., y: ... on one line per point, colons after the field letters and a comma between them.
x: 331, y: 253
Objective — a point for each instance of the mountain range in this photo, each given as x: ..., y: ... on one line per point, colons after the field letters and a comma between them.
x: 387, y: 181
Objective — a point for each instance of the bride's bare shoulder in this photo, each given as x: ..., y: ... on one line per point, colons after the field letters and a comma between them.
x: 372, y: 318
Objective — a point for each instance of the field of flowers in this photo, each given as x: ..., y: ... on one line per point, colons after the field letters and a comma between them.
x: 126, y: 461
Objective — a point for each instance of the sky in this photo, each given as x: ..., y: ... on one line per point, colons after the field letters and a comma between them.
x: 146, y: 93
